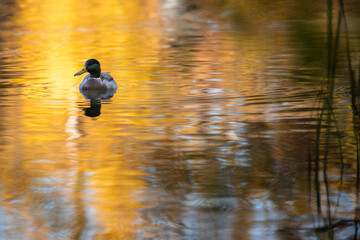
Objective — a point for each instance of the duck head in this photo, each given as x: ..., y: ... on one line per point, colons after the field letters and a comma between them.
x: 91, y: 66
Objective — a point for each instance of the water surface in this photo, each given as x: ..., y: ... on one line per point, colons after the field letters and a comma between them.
x: 207, y: 136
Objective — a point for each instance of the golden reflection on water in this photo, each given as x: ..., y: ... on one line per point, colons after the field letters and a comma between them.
x: 53, y: 155
x: 59, y: 157
x: 182, y: 85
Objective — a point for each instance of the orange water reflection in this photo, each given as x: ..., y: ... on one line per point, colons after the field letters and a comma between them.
x: 51, y: 161
x: 204, y: 138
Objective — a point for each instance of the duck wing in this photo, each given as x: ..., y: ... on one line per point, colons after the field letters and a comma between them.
x: 106, y: 77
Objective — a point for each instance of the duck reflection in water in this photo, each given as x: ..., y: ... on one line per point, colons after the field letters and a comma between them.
x: 96, y: 86
x: 95, y: 97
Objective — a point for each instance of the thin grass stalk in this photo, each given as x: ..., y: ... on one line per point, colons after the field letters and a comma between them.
x: 354, y: 84
x: 357, y: 206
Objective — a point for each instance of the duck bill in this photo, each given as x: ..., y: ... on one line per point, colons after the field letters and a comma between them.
x: 83, y: 70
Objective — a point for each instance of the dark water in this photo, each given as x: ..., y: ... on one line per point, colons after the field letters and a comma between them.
x: 208, y: 136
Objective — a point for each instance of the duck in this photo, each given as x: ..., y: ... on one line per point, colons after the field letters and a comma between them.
x: 95, y: 80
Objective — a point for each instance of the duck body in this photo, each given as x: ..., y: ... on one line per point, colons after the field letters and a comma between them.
x: 104, y: 82
x: 95, y: 80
